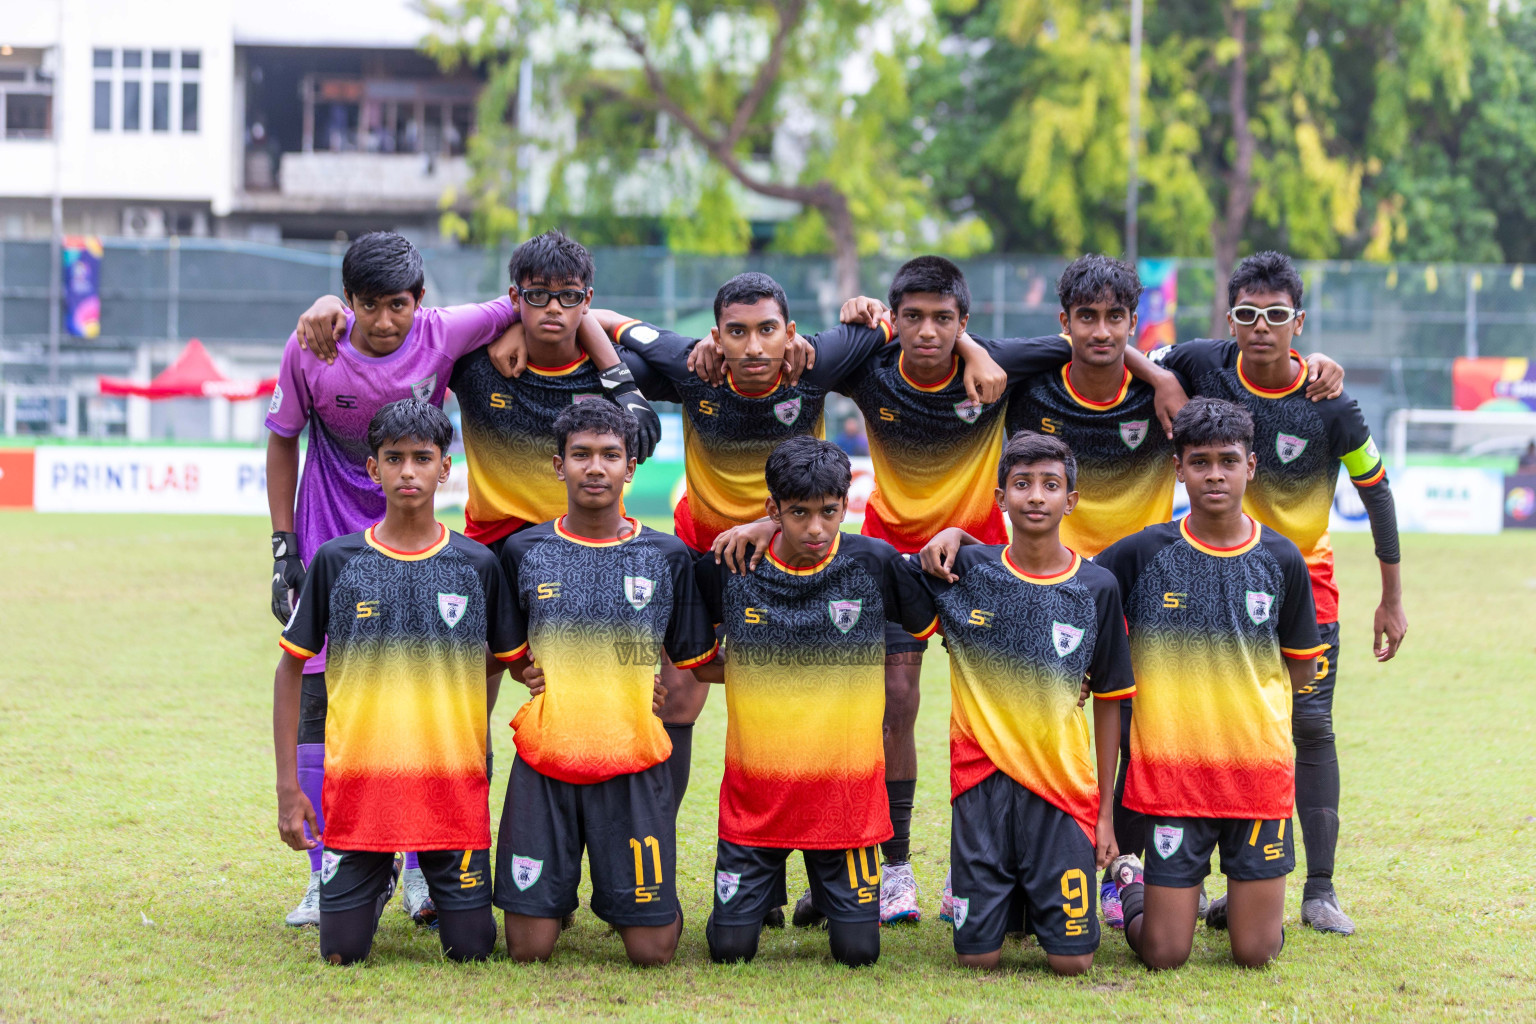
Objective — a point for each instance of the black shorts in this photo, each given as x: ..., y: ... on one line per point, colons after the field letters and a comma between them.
x: 1252, y: 849
x: 457, y: 879
x: 749, y: 882
x: 1317, y: 696
x: 1006, y: 846
x: 625, y: 824
x: 899, y: 641
x: 312, y: 705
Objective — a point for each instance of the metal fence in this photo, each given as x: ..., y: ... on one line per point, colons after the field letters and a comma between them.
x: 1396, y: 328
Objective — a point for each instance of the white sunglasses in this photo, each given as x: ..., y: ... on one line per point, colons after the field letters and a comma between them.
x: 1275, y: 315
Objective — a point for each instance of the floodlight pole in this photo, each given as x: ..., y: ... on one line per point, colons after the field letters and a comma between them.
x: 1133, y: 184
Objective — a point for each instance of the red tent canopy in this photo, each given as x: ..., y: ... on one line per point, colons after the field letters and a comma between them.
x: 192, y: 375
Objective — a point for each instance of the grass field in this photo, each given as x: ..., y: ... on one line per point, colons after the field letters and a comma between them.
x: 141, y: 877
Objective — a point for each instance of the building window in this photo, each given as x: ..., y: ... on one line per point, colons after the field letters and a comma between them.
x: 189, y: 106
x: 103, y: 98
x: 133, y: 58
x: 160, y: 107
x: 26, y: 95
x: 28, y: 116
x: 101, y: 58
x: 191, y: 60
x: 161, y: 59
x: 132, y: 119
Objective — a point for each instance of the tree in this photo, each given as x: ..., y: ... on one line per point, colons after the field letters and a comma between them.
x: 697, y: 100
x: 1271, y: 123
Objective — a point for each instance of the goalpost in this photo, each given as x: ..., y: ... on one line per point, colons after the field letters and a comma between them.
x: 1470, y: 434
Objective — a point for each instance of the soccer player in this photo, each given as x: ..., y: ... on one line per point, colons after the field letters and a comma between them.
x: 1300, y: 446
x: 390, y: 347
x: 407, y: 610
x: 1025, y: 625
x: 1222, y: 631
x: 602, y: 597
x: 731, y: 427
x: 804, y: 759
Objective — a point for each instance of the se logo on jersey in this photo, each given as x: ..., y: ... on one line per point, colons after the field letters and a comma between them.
x: 422, y: 389
x: 277, y: 400
x: 1065, y: 638
x: 638, y: 591
x: 1289, y: 448
x: 845, y: 614
x: 788, y: 412
x: 726, y: 884
x: 968, y: 411
x: 451, y: 607
x: 1259, y: 606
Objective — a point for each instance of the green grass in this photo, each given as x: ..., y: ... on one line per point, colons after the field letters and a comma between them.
x: 135, y: 763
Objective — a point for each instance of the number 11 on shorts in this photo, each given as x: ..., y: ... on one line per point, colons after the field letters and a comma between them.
x: 646, y: 893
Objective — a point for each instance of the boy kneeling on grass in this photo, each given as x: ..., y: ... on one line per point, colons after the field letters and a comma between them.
x: 409, y: 610
x: 1222, y: 633
x: 1031, y: 628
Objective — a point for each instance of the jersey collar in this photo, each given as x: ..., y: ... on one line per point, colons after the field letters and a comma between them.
x: 731, y: 383
x: 559, y: 371
x: 407, y: 556
x: 954, y: 368
x: 1301, y: 378
x: 1044, y: 581
x: 809, y: 570
x: 1088, y: 403
x: 1232, y: 552
x: 595, y: 542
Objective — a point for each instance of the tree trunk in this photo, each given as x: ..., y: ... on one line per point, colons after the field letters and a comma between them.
x: 845, y: 242
x: 1227, y: 229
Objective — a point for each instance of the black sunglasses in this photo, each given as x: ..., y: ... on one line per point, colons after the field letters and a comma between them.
x: 567, y: 297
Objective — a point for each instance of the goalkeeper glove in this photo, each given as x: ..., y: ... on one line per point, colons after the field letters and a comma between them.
x: 621, y: 387
x: 287, y: 575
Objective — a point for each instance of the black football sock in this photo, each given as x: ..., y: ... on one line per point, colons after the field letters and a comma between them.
x: 1317, y: 799
x: 900, y: 794
x: 1132, y: 900
x: 680, y: 763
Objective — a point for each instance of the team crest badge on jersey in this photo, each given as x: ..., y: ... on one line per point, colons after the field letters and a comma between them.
x: 960, y: 909
x: 1289, y: 448
x: 968, y: 410
x: 330, y: 863
x: 422, y: 389
x: 726, y: 884
x: 525, y: 872
x: 1259, y: 606
x: 1065, y: 638
x: 788, y: 412
x: 845, y: 614
x: 1134, y: 432
x: 642, y: 334
x: 1166, y: 840
x: 451, y: 607
x: 277, y: 400
x: 638, y: 591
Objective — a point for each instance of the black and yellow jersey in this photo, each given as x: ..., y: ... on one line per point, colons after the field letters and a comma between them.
x: 1300, y: 444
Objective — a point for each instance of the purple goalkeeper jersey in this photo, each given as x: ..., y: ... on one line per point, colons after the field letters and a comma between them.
x: 338, y: 401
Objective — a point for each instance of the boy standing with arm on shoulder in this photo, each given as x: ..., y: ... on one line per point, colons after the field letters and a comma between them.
x: 1222, y: 632
x: 1025, y: 625
x: 408, y: 611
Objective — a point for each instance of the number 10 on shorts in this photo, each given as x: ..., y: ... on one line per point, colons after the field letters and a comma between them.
x: 646, y: 893
x: 862, y: 864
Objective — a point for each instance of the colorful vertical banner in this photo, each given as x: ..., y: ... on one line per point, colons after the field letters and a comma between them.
x: 1494, y: 384
x: 1159, y: 302
x: 82, y: 285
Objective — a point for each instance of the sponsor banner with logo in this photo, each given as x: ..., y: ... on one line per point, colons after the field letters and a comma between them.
x: 73, y: 478
x: 1519, y: 501
x: 1444, y: 499
x: 1494, y: 384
